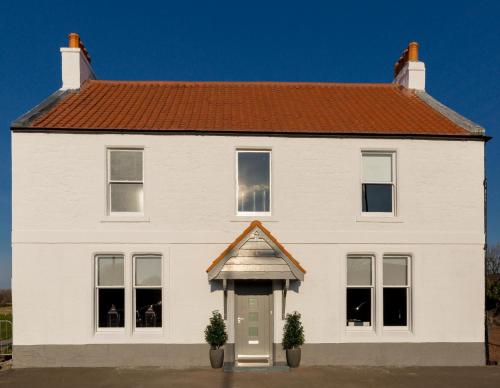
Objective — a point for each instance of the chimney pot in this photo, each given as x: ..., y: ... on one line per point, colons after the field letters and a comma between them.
x: 76, y: 67
x: 413, y: 52
x: 408, y: 70
x: 74, y: 40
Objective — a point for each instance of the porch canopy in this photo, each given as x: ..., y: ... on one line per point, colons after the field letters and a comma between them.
x: 255, y: 254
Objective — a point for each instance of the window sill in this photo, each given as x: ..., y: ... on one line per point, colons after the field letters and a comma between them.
x: 359, y: 329
x: 249, y: 218
x: 154, y: 331
x: 396, y: 329
x: 380, y: 219
x: 125, y: 218
x: 103, y: 332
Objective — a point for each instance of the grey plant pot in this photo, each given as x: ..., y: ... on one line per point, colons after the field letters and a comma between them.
x: 293, y: 357
x: 216, y: 358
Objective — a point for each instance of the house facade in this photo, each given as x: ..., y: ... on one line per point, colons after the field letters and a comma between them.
x: 141, y: 207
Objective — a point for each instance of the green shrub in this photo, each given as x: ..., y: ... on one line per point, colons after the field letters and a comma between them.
x: 215, y: 333
x: 293, y: 332
x: 6, y: 332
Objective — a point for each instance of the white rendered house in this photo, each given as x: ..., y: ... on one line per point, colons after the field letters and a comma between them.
x: 140, y: 207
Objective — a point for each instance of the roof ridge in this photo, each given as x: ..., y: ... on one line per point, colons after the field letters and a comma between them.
x: 244, y: 83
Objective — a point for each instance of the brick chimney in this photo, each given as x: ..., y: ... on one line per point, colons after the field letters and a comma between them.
x: 76, y: 68
x: 408, y: 70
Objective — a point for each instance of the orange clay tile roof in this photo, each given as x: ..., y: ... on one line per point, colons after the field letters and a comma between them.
x: 244, y: 234
x: 237, y: 107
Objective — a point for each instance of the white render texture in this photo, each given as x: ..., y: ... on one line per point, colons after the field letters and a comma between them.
x: 60, y: 223
x: 76, y: 69
x: 412, y: 75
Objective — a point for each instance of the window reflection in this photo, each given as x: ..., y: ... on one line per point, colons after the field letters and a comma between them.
x: 254, y: 181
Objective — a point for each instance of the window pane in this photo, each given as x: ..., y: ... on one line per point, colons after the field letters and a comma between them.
x: 395, y: 271
x: 126, y: 165
x: 377, y: 198
x: 148, y: 271
x: 359, y: 306
x: 148, y: 307
x: 359, y: 271
x: 110, y: 271
x: 253, y: 316
x: 377, y: 168
x: 111, y: 304
x: 395, y: 306
x: 126, y: 197
x: 253, y: 181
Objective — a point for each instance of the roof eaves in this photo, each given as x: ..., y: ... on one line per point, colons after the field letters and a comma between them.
x: 260, y: 133
x: 27, y: 119
x: 450, y: 114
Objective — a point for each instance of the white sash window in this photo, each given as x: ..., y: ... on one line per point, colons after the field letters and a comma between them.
x: 148, y: 291
x: 253, y: 177
x: 359, y: 293
x: 396, y: 298
x: 378, y: 186
x: 125, y: 181
x: 110, y: 291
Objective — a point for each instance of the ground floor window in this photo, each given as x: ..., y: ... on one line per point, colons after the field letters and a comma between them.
x: 396, y: 290
x: 148, y: 291
x: 359, y: 293
x: 110, y: 291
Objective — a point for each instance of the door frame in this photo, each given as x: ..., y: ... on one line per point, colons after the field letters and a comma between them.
x: 271, y: 324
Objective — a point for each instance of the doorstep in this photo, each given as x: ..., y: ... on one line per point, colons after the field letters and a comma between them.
x: 230, y: 367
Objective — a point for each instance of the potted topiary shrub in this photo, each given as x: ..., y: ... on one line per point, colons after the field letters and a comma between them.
x: 216, y: 337
x: 293, y: 339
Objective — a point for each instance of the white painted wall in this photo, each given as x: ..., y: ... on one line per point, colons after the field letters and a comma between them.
x: 76, y: 69
x: 60, y: 222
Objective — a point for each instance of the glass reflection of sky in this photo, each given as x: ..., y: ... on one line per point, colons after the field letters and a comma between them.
x: 253, y: 181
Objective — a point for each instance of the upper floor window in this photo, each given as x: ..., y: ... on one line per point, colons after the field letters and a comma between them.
x: 253, y: 178
x: 125, y: 181
x: 378, y: 182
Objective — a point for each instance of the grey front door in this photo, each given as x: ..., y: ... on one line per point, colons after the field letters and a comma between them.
x: 253, y: 312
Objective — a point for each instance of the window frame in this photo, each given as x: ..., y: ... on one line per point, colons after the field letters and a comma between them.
x: 109, y: 181
x: 372, y: 288
x: 97, y: 287
x: 393, y: 183
x: 135, y: 287
x: 408, y: 287
x: 237, y: 189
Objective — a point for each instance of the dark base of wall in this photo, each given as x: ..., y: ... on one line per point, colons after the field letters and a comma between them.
x: 111, y: 355
x: 396, y: 354
x: 385, y: 354
x: 196, y: 355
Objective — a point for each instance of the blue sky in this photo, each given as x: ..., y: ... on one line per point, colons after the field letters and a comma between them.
x: 339, y: 41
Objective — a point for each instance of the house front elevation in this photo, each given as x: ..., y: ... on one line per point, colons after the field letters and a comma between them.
x: 139, y: 207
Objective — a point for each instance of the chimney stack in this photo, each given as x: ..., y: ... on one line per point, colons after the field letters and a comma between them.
x: 408, y: 70
x: 76, y: 68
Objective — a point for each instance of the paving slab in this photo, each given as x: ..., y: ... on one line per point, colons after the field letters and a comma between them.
x: 308, y: 377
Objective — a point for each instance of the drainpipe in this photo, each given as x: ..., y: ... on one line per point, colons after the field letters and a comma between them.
x: 485, y: 185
